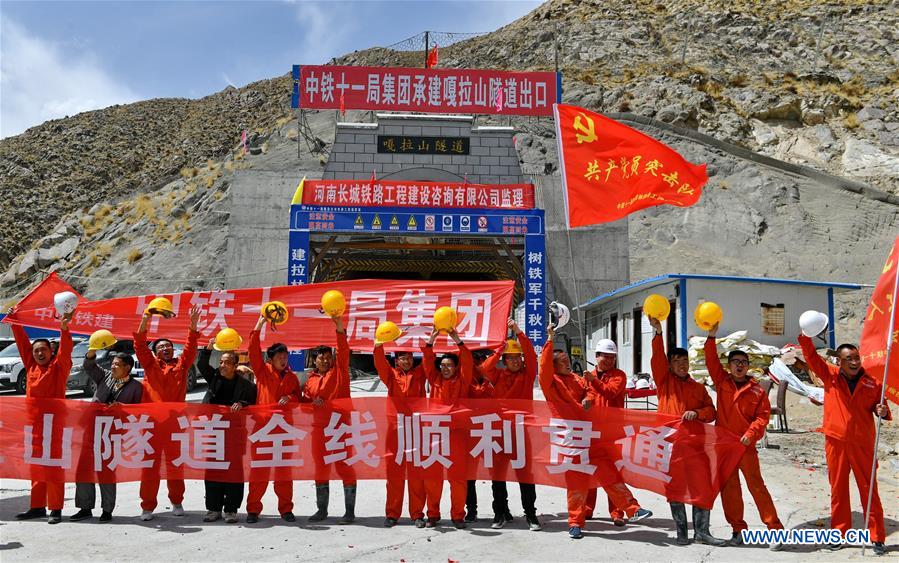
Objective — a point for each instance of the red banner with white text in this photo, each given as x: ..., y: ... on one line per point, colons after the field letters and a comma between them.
x: 483, y: 310
x: 458, y: 195
x: 433, y: 90
x: 367, y: 438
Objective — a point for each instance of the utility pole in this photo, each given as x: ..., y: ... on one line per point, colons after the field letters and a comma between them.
x: 427, y: 47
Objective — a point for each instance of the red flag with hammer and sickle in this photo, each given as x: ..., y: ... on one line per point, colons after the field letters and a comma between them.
x: 610, y: 170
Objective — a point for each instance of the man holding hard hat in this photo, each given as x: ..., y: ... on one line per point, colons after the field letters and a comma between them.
x: 608, y: 385
x: 45, y: 378
x: 743, y: 408
x: 405, y: 381
x: 276, y: 384
x: 851, y: 397
x: 165, y: 381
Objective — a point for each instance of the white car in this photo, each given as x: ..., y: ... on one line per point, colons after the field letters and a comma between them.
x: 12, y: 370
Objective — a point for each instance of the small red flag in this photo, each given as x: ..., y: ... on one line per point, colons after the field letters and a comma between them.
x: 342, y: 103
x: 875, y: 331
x: 432, y: 58
x: 610, y: 170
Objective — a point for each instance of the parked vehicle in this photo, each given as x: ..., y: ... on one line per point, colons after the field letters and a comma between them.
x: 12, y: 370
x: 6, y: 342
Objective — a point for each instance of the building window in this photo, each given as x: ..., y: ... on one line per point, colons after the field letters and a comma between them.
x: 627, y: 329
x: 773, y: 319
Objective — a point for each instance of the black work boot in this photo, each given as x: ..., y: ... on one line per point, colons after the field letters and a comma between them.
x: 349, y: 502
x: 32, y: 513
x: 321, y: 502
x: 701, y: 533
x: 679, y: 515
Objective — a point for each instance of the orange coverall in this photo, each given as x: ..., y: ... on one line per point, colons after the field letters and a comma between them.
x: 608, y: 390
x: 744, y: 410
x: 45, y: 382
x: 335, y: 384
x: 848, y: 440
x: 164, y: 382
x: 513, y: 385
x: 402, y: 385
x: 448, y: 391
x: 270, y: 386
x: 572, y: 390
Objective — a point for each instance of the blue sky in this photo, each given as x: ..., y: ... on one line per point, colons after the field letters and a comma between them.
x: 62, y: 58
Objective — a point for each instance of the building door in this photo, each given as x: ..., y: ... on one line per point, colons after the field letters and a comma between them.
x: 613, y: 328
x: 637, y: 340
x: 671, y: 327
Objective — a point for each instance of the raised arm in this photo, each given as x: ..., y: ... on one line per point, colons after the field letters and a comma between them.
x: 428, y: 361
x: 815, y: 362
x: 659, y: 363
x: 487, y: 370
x: 530, y: 356
x: 142, y: 349
x: 64, y: 354
x: 254, y: 351
x: 189, y: 354
x: 23, y: 344
x: 713, y: 363
x: 466, y: 365
x: 91, y: 369
x: 382, y: 366
x: 206, y: 370
x: 546, y: 371
x: 343, y: 358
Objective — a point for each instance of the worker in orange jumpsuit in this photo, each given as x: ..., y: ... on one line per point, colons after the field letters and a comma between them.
x: 851, y: 396
x: 276, y: 384
x: 452, y: 383
x: 609, y: 385
x: 560, y: 386
x: 744, y: 409
x: 45, y: 378
x: 165, y: 381
x: 405, y: 381
x: 514, y: 381
x: 681, y: 395
x: 481, y: 388
x: 329, y: 380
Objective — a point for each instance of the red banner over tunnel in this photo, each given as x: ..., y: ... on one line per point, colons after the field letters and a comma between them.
x: 368, y: 438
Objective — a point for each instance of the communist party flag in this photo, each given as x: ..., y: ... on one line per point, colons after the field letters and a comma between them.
x: 610, y: 170
x: 881, y: 319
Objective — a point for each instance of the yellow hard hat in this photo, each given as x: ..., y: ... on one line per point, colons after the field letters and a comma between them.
x: 333, y: 303
x: 656, y: 306
x: 707, y: 315
x: 275, y: 312
x: 445, y: 319
x: 227, y: 340
x: 387, y: 332
x: 512, y: 347
x: 161, y: 306
x: 100, y: 339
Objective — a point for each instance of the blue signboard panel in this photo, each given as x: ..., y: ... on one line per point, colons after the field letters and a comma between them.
x: 527, y: 223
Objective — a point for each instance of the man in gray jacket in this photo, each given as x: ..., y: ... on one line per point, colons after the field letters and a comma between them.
x: 114, y: 386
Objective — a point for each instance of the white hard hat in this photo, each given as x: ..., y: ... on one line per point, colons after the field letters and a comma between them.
x: 813, y: 323
x: 606, y: 346
x: 561, y: 312
x: 65, y: 302
x: 642, y: 384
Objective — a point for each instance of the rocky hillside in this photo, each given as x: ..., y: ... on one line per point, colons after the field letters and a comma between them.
x: 136, y: 198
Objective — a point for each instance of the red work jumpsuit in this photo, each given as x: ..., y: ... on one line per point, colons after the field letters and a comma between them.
x: 572, y: 390
x: 164, y: 382
x: 45, y: 382
x: 448, y: 391
x: 402, y: 385
x: 848, y: 440
x: 270, y: 386
x: 744, y: 410
x: 608, y: 390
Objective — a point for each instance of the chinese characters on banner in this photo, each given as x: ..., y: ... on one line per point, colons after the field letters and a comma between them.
x: 507, y: 440
x: 610, y: 170
x: 395, y: 144
x: 350, y: 193
x: 535, y: 280
x: 483, y: 308
x: 425, y: 90
x: 873, y: 345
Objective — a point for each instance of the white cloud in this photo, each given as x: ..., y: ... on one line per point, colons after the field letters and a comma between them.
x: 41, y: 81
x: 326, y: 29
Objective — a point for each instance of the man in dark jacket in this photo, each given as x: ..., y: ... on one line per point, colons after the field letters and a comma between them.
x: 228, y: 388
x: 114, y: 386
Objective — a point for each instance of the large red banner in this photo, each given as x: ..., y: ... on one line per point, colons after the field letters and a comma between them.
x: 483, y: 310
x: 610, y: 170
x: 368, y: 438
x: 458, y: 195
x: 434, y: 90
x: 875, y: 331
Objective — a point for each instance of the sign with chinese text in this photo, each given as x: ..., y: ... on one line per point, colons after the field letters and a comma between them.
x: 385, y: 193
x: 435, y: 90
x: 610, y: 170
x: 367, y: 438
x: 483, y: 309
x: 402, y: 144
